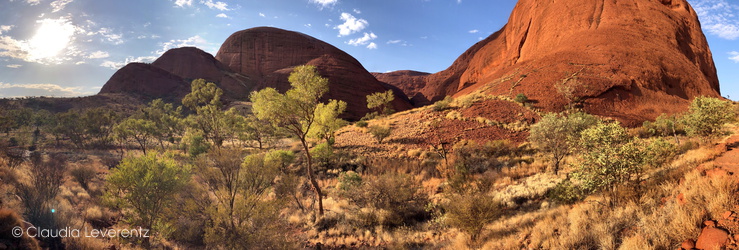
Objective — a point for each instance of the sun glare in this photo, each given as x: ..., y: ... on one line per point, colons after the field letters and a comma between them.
x: 50, y: 39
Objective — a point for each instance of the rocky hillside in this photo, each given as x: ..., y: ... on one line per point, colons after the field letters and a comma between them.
x: 250, y: 60
x: 631, y: 59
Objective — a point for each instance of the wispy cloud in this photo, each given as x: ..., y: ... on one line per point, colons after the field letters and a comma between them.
x: 734, y: 56
x: 473, y: 31
x: 14, y: 66
x: 364, y: 40
x: 33, y: 2
x: 59, y: 5
x: 5, y: 28
x: 262, y: 14
x: 351, y: 24
x: 183, y: 3
x: 718, y: 17
x: 117, y: 65
x: 9, y: 90
x: 216, y: 5
x: 110, y: 36
x: 222, y: 15
x: 98, y: 55
x: 325, y: 3
x: 372, y: 46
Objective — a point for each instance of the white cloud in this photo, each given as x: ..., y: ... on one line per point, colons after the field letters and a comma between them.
x: 98, y: 55
x: 222, y: 15
x: 59, y: 5
x: 308, y: 25
x: 363, y: 40
x: 14, y: 66
x: 33, y: 2
x: 718, y: 17
x: 117, y: 65
x: 193, y: 41
x: 351, y: 24
x: 217, y: 5
x: 394, y: 41
x: 473, y: 31
x: 372, y: 46
x: 262, y: 14
x: 734, y: 56
x: 9, y: 90
x: 5, y: 28
x: 459, y: 1
x: 183, y: 3
x: 109, y: 36
x: 325, y: 3
x: 357, y: 11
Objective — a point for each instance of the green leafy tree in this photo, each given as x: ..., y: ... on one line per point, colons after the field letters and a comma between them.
x: 141, y: 131
x: 380, y: 132
x: 326, y: 121
x: 98, y: 124
x: 613, y: 159
x: 296, y: 112
x: 707, y: 116
x: 243, y: 215
x: 253, y: 129
x: 167, y: 119
x: 215, y: 124
x: 381, y: 101
x: 67, y: 126
x: 558, y: 135
x: 144, y: 186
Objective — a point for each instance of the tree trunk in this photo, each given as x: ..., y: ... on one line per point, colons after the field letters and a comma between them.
x: 312, y: 178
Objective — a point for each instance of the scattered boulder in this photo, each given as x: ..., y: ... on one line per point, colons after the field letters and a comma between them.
x: 712, y: 237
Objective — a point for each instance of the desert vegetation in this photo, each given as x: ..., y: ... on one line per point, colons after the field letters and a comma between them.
x: 289, y: 173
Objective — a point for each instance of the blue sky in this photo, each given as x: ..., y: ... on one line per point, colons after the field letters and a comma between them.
x: 72, y: 47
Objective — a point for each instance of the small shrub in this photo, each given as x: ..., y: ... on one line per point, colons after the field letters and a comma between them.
x: 521, y: 98
x: 454, y: 115
x: 83, y: 175
x: 361, y: 124
x: 397, y: 195
x: 322, y: 154
x: 380, y: 132
x: 443, y: 104
x: 566, y: 193
x: 659, y: 152
x: 664, y: 125
x: 707, y: 116
x: 349, y: 180
x: 470, y: 213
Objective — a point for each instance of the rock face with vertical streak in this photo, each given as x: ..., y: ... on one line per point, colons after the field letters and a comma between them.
x: 268, y: 55
x: 631, y: 59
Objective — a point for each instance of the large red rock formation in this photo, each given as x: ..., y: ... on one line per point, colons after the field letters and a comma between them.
x: 630, y: 59
x: 192, y: 63
x: 410, y: 82
x: 268, y: 55
x: 147, y: 81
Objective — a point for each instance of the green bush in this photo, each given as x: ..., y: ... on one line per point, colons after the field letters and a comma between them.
x: 613, y: 159
x: 380, y: 132
x: 349, y: 180
x: 664, y: 125
x: 707, y: 116
x: 521, y: 98
x: 660, y: 152
x: 558, y: 135
x: 565, y: 193
x: 443, y: 104
x: 470, y: 213
x: 361, y: 124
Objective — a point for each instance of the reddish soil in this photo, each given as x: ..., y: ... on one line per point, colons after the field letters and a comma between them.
x: 723, y: 232
x: 500, y: 110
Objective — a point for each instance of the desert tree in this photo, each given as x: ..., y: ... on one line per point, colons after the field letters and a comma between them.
x: 243, y: 214
x: 558, y: 134
x: 168, y: 121
x: 707, y: 116
x: 144, y: 186
x: 297, y: 111
x: 140, y: 131
x: 381, y: 101
x: 209, y: 117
